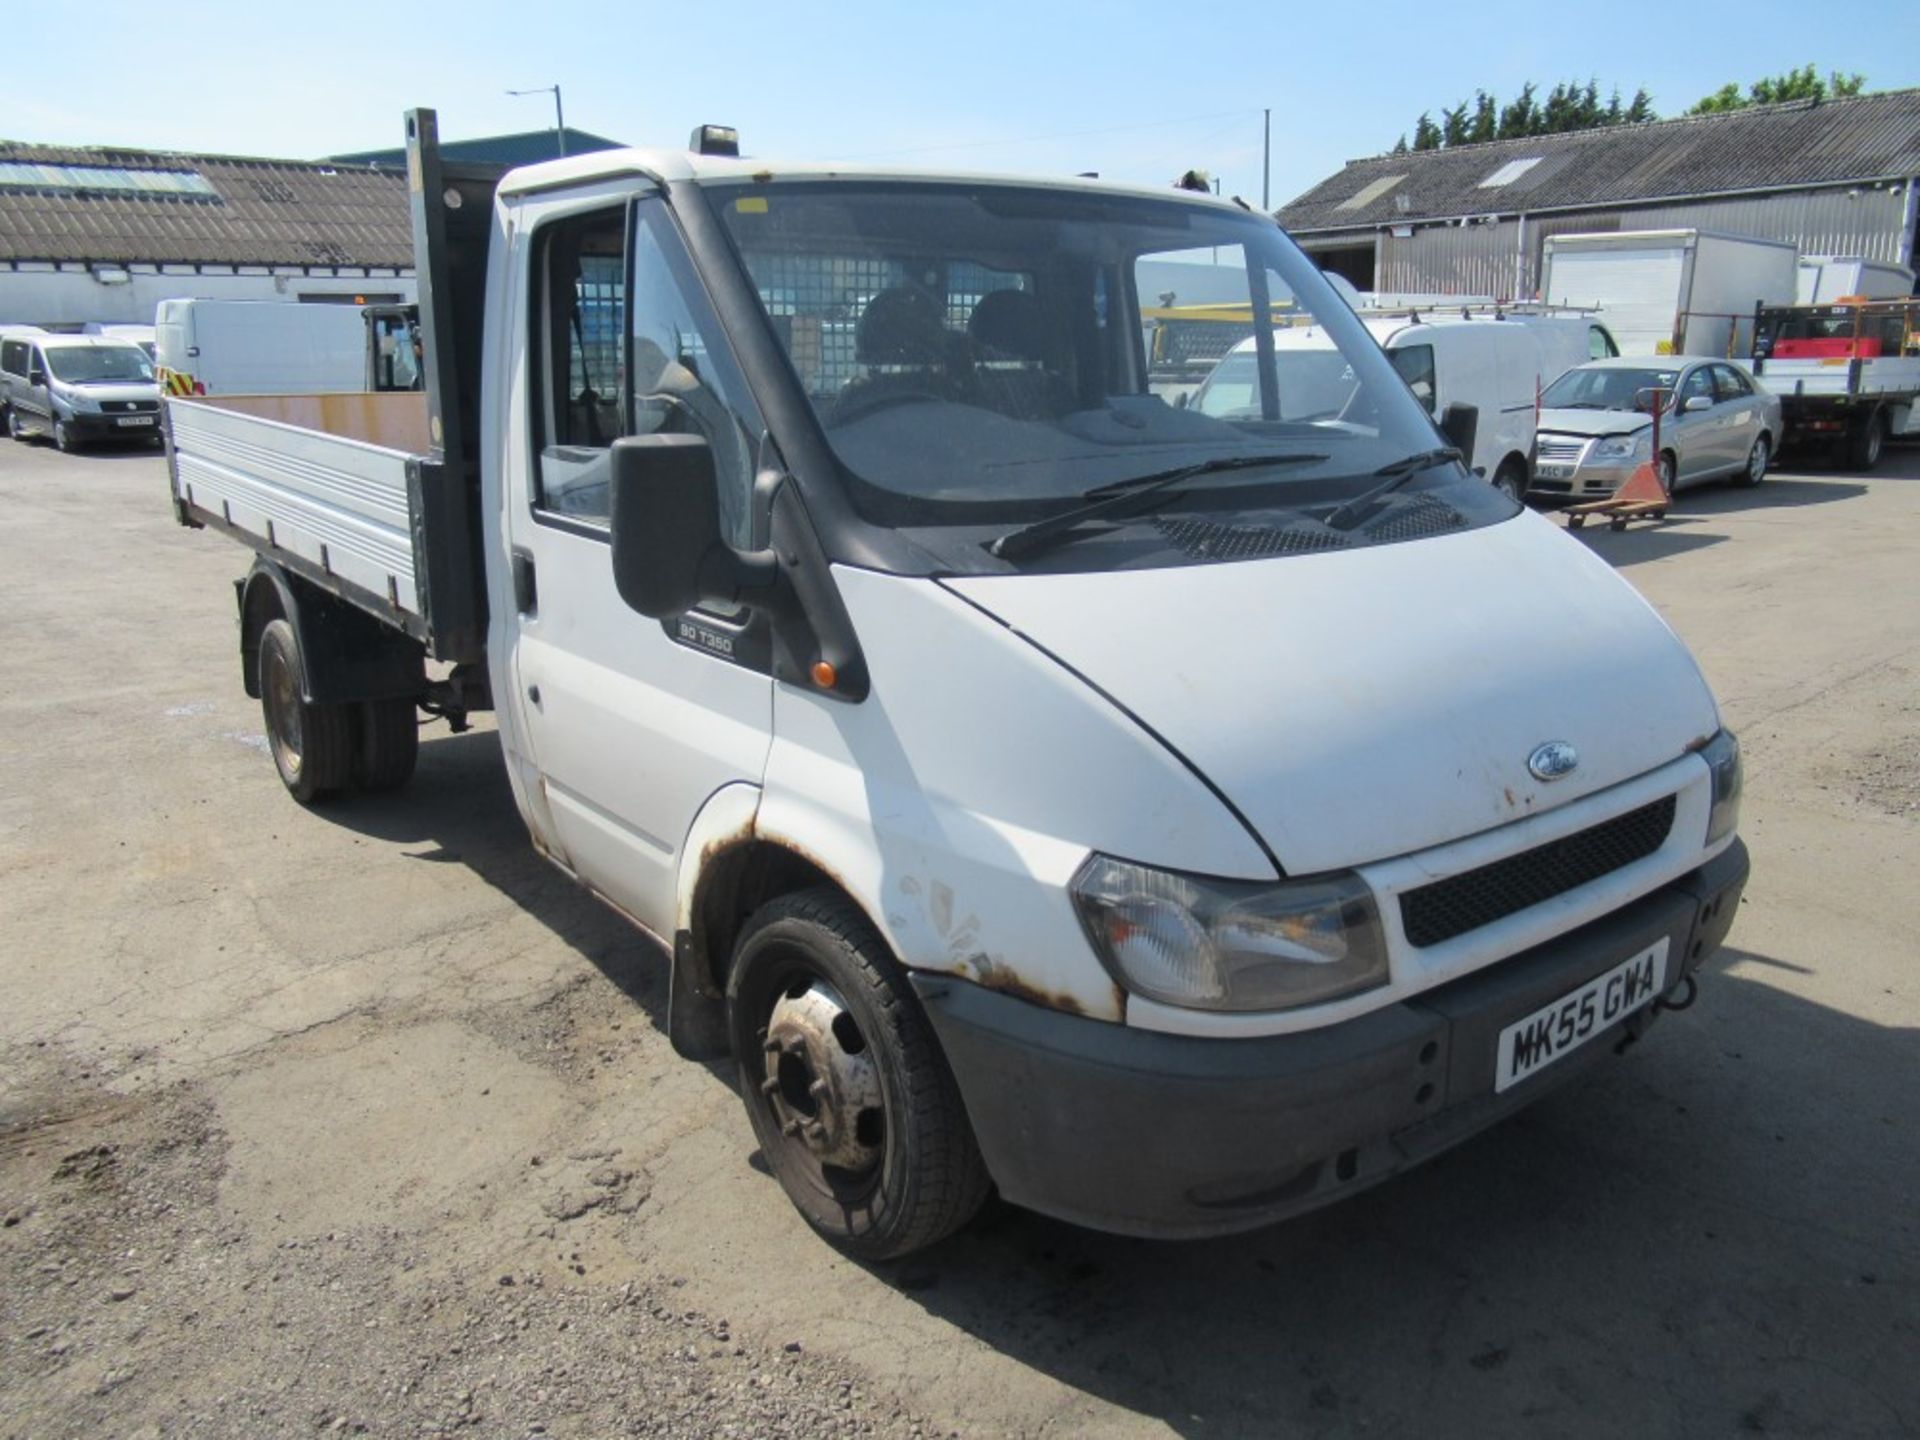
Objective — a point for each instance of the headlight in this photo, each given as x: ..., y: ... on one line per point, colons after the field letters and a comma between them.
x: 1621, y: 447
x: 1229, y: 945
x: 80, y: 400
x: 1722, y: 754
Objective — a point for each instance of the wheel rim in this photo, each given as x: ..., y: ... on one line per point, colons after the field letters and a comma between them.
x: 60, y: 434
x: 821, y: 1085
x: 1666, y: 474
x: 1757, y: 461
x: 283, y: 712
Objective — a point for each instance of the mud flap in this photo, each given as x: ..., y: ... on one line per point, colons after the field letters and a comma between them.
x: 696, y: 1018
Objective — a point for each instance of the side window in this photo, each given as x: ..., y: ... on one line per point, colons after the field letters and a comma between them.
x: 13, y: 357
x: 685, y: 380
x: 581, y: 314
x: 1731, y: 384
x: 1415, y: 364
x: 1600, y: 344
x: 1698, y: 382
x: 628, y: 346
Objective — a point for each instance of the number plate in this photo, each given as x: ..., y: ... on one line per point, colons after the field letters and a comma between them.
x: 134, y: 420
x: 1554, y: 472
x: 1568, y: 1023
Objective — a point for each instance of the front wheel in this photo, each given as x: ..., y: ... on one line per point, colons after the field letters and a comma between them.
x: 1667, y: 471
x: 1511, y: 480
x: 1758, y: 459
x: 62, y: 437
x: 15, y: 430
x: 851, y: 1100
x: 312, y: 744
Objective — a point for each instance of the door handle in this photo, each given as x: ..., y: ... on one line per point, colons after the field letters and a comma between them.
x: 526, y: 593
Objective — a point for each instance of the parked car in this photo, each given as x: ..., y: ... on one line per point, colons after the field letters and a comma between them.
x: 78, y: 388
x: 1495, y: 365
x: 1596, y: 425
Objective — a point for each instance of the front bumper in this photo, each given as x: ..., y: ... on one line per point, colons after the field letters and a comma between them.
x: 1588, y: 480
x: 94, y: 425
x: 1145, y: 1133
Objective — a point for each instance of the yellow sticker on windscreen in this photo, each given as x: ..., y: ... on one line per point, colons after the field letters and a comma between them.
x: 751, y: 205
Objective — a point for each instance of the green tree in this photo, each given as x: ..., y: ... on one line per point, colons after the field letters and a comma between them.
x: 1453, y: 125
x: 1804, y: 83
x: 1517, y: 119
x: 1400, y: 146
x: 1485, y: 124
x: 1426, y: 134
x: 1641, y: 109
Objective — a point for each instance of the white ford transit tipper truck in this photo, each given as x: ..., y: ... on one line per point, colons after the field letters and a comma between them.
x: 1174, y: 821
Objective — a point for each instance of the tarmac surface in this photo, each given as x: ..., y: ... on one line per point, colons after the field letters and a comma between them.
x: 363, y: 1120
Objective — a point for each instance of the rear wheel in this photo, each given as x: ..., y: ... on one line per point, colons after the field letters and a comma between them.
x: 1866, y: 440
x: 1758, y: 459
x: 312, y: 744
x: 386, y: 743
x: 851, y: 1100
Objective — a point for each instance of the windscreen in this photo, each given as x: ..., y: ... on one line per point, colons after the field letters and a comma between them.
x: 973, y: 351
x: 1607, y: 388
x: 99, y: 364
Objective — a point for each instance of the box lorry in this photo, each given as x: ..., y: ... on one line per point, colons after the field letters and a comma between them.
x: 259, y: 347
x: 1671, y: 292
x: 1172, y: 822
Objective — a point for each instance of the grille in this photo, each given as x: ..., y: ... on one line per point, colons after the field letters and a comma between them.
x: 1460, y: 903
x: 1209, y: 540
x: 128, y: 407
x: 1415, y: 519
x: 1556, y: 450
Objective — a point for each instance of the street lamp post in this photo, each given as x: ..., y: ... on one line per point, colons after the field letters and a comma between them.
x: 559, y: 115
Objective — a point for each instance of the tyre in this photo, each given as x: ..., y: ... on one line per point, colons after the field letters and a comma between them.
x: 1758, y: 459
x: 62, y: 438
x: 15, y: 431
x: 312, y: 744
x: 851, y: 1100
x: 1667, y: 471
x: 1511, y: 480
x: 386, y: 743
x: 1866, y: 440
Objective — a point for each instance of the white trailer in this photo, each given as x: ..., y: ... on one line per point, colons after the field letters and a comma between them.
x: 260, y: 347
x: 1672, y: 292
x: 1825, y: 279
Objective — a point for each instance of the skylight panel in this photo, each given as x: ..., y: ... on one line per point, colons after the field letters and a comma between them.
x: 1510, y: 172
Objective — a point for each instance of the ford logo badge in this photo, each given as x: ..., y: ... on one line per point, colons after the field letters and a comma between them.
x: 1553, y: 760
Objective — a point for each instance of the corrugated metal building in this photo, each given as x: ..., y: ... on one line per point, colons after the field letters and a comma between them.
x: 1835, y: 178
x: 105, y: 234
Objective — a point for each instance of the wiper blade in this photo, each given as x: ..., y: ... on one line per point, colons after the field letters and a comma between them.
x: 1109, y: 499
x: 1398, y: 473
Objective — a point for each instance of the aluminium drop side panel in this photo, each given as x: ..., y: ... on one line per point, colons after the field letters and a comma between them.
x: 330, y: 507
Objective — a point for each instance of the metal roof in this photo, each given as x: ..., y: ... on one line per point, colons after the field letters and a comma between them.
x: 1769, y: 147
x: 249, y: 212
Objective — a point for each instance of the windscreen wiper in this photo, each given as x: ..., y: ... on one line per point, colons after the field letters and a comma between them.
x: 1109, y: 499
x: 1397, y: 473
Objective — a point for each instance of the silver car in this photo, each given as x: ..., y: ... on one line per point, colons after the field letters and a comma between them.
x: 1596, y: 425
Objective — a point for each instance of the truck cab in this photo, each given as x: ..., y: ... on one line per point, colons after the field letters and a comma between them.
x: 1038, y: 786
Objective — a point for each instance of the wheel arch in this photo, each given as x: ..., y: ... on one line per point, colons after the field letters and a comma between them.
x: 345, y: 653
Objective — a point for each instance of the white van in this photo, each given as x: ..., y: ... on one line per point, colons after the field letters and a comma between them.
x: 77, y: 389
x: 1171, y: 821
x: 259, y: 347
x: 127, y: 334
x: 1496, y: 363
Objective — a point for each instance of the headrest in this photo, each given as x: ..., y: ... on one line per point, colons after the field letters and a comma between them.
x: 901, y: 326
x: 1011, y: 324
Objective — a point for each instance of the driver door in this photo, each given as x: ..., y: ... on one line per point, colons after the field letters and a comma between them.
x: 632, y: 724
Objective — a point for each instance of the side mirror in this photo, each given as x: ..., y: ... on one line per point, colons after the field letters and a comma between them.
x: 668, y: 553
x: 1697, y: 402
x: 1460, y: 423
x: 1182, y: 400
x: 36, y: 376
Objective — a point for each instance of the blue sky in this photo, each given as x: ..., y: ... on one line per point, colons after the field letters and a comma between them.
x: 1134, y: 91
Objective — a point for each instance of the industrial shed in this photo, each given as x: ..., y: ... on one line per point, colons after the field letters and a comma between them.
x: 105, y: 234
x: 1835, y: 178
